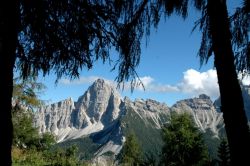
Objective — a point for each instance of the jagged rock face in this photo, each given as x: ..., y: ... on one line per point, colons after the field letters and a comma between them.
x: 101, y: 106
x: 98, y: 106
x: 99, y: 103
x: 202, y: 111
x: 54, y: 117
x: 149, y: 111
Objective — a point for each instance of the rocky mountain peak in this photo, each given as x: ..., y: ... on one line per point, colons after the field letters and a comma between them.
x: 101, y: 97
x: 203, y: 102
x: 203, y: 112
x: 54, y: 117
x: 204, y: 96
x: 98, y: 108
x: 102, y: 107
x: 101, y: 82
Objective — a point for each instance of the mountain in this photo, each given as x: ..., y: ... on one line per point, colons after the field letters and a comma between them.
x: 100, y: 120
x: 203, y: 112
x: 206, y: 118
x: 98, y: 108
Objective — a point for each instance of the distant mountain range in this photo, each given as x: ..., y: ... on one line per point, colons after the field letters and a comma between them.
x: 100, y: 120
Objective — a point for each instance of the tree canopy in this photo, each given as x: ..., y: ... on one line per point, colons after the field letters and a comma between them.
x: 25, y: 100
x: 26, y: 93
x: 69, y: 36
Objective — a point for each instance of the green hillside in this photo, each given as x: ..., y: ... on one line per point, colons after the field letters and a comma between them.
x: 148, y: 136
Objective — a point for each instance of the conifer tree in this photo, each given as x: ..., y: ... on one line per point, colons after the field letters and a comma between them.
x: 184, y: 145
x: 131, y: 152
x: 223, y: 153
x: 25, y: 99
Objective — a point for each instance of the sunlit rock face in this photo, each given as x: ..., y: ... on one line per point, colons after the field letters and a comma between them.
x: 101, y: 106
x: 152, y: 112
x: 95, y: 110
x: 54, y: 117
x: 100, y: 103
x: 203, y: 112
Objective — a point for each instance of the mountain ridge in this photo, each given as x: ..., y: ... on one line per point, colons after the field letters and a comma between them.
x: 102, y: 115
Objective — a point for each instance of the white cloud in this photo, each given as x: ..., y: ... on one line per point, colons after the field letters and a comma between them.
x: 151, y: 85
x: 147, y: 80
x: 81, y: 80
x: 195, y: 83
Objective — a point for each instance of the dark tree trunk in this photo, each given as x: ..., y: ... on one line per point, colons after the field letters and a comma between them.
x: 231, y: 97
x: 8, y: 39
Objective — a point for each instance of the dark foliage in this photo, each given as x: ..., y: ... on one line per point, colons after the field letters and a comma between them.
x: 69, y: 36
x: 224, y: 153
x: 240, y: 37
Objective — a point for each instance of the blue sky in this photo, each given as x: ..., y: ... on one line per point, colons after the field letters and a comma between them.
x: 169, y: 67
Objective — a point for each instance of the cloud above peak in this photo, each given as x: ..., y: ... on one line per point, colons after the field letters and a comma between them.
x: 192, y: 83
x: 81, y: 80
x: 151, y: 85
x: 195, y: 83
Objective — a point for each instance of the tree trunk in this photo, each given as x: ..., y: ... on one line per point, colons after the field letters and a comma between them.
x: 8, y: 39
x: 231, y: 97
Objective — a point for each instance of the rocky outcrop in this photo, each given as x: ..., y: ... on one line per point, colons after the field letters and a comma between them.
x: 98, y: 108
x: 54, y: 117
x: 100, y: 102
x: 203, y: 112
x: 152, y: 112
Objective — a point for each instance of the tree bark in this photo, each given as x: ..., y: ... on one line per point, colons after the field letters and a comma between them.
x: 8, y: 39
x: 232, y: 104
